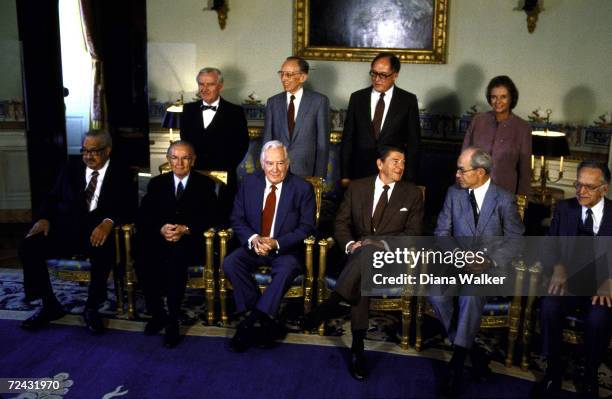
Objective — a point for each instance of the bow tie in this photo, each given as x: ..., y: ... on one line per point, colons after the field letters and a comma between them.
x: 211, y: 107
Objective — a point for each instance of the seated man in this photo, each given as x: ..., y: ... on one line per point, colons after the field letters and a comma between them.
x: 381, y: 205
x: 176, y: 211
x: 587, y: 215
x: 274, y: 212
x: 77, y: 217
x: 493, y: 213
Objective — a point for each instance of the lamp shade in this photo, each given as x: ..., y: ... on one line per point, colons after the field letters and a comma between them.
x: 549, y: 143
x: 172, y: 120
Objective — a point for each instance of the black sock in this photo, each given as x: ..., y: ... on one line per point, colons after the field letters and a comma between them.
x: 357, y: 345
x: 458, y: 359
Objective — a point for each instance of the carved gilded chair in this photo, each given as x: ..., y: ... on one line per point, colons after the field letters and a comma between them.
x: 302, y: 285
x: 400, y: 303
x: 78, y: 270
x: 202, y: 276
x: 499, y: 312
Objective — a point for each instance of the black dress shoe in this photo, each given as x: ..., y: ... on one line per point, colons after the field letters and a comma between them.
x: 311, y: 320
x: 93, y: 321
x: 357, y: 367
x: 243, y: 339
x: 451, y: 385
x: 591, y: 389
x: 548, y: 387
x: 268, y: 336
x: 480, y: 364
x: 42, y: 317
x: 155, y: 325
x: 172, y: 336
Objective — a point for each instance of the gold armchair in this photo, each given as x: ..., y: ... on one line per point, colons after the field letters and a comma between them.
x: 401, y: 304
x: 499, y: 312
x: 78, y: 270
x: 302, y: 286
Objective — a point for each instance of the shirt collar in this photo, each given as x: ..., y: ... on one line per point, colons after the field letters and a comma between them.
x: 597, y: 208
x: 379, y: 184
x: 482, y: 190
x: 177, y: 180
x: 388, y: 93
x: 101, y: 171
x: 298, y: 95
x: 214, y: 103
x: 278, y: 185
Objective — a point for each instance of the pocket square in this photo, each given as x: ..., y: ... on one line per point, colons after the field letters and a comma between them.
x: 404, y: 210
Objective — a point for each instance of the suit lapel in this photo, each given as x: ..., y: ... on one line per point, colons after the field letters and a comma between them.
x: 283, y: 206
x: 605, y: 227
x: 488, y: 205
x: 302, y: 110
x: 256, y: 204
x: 367, y: 203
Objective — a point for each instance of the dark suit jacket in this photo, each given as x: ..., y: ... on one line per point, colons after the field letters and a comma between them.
x: 308, y: 146
x: 353, y: 221
x: 401, y: 129
x: 197, y: 209
x: 565, y: 221
x: 221, y: 146
x: 65, y: 206
x: 295, y: 218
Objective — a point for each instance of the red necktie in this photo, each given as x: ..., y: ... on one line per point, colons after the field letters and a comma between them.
x: 378, y: 115
x: 291, y: 116
x: 268, y: 212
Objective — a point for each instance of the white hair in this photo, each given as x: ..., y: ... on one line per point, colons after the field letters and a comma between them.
x: 272, y: 144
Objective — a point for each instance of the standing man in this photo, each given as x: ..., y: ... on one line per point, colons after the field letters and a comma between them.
x: 587, y: 215
x: 381, y: 205
x: 89, y: 198
x: 176, y: 211
x: 218, y: 131
x: 475, y: 207
x: 273, y: 213
x: 380, y: 115
x: 299, y: 119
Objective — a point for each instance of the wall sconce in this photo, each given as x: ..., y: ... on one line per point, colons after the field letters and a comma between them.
x: 532, y: 8
x: 546, y: 144
x: 220, y: 6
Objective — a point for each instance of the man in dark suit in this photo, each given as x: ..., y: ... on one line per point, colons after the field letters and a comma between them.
x: 574, y: 262
x: 176, y: 211
x: 299, y: 119
x: 88, y: 199
x: 273, y: 213
x: 380, y: 115
x: 475, y: 207
x: 218, y: 131
x: 381, y: 205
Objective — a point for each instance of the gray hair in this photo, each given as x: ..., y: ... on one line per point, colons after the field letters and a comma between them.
x: 180, y: 143
x: 102, y: 135
x: 272, y: 144
x: 211, y: 70
x: 480, y: 159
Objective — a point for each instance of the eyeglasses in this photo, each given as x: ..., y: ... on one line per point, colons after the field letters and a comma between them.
x: 589, y: 187
x: 464, y: 171
x: 380, y: 75
x: 93, y: 151
x: 283, y: 74
x: 180, y: 159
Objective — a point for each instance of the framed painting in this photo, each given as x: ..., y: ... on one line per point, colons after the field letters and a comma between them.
x: 356, y: 30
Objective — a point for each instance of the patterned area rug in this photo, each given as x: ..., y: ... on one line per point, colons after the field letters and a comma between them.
x: 384, y: 327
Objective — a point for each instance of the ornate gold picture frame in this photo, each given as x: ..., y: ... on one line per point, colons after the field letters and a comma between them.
x: 357, y: 30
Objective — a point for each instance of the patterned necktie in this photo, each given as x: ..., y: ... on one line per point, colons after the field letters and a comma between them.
x: 588, y: 222
x: 91, y: 188
x: 179, y: 190
x: 378, y: 115
x: 291, y: 116
x: 474, y: 207
x: 379, y: 211
x: 268, y: 212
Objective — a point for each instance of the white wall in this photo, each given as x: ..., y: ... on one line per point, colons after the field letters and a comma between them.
x: 10, y: 62
x: 564, y: 65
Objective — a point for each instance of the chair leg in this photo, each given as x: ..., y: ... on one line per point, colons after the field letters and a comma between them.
x: 406, y: 320
x: 223, y: 237
x: 513, y: 330
x: 418, y: 343
x: 129, y: 270
x: 534, y: 275
x: 119, y: 292
x: 209, y: 277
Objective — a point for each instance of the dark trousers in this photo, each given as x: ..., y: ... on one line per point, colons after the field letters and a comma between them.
x: 165, y: 275
x: 597, y: 328
x: 239, y: 266
x: 35, y: 250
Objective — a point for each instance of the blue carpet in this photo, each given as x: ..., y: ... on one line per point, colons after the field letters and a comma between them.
x: 135, y: 366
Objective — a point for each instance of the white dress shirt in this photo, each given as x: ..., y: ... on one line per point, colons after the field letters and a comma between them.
x: 177, y: 181
x: 296, y: 102
x: 209, y: 114
x: 374, y: 96
x: 101, y: 173
x: 480, y: 193
x: 597, y: 214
